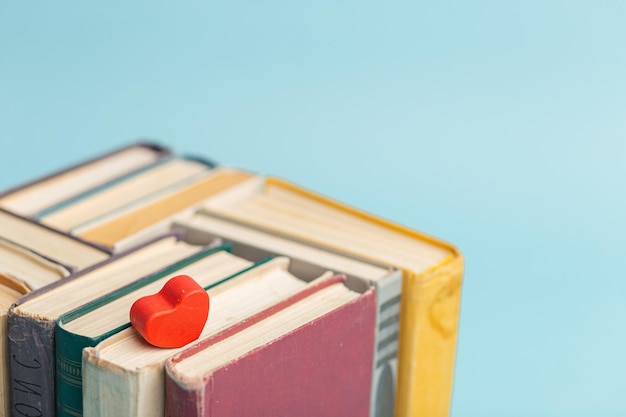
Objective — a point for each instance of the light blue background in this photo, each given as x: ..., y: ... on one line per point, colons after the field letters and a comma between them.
x: 499, y: 126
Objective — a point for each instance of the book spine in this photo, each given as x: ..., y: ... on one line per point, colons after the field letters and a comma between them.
x: 112, y: 391
x: 31, y: 365
x: 69, y: 380
x: 5, y: 405
x: 429, y: 324
x: 384, y: 375
x: 182, y: 401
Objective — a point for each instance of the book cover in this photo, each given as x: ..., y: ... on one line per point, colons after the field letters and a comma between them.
x: 207, y: 268
x: 431, y: 283
x: 294, y: 359
x: 35, y: 196
x: 31, y: 320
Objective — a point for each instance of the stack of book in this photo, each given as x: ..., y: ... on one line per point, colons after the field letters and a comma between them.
x: 317, y: 308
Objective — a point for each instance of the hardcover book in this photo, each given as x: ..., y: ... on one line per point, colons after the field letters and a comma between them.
x: 21, y: 270
x: 309, y: 356
x: 253, y: 244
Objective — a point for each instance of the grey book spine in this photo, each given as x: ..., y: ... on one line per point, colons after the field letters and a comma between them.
x: 32, y: 370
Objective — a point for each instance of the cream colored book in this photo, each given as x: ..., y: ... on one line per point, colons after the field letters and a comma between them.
x: 128, y: 228
x: 124, y: 376
x: 54, y: 245
x: 431, y: 285
x: 160, y: 178
x: 32, y: 269
x: 30, y: 199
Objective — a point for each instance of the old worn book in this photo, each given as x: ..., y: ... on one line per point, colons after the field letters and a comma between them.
x: 31, y: 320
x: 36, y: 196
x: 431, y: 286
x: 124, y: 375
x: 21, y: 270
x: 309, y: 356
x: 255, y: 244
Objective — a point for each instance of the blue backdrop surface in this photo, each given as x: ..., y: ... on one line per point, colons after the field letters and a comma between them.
x: 499, y: 126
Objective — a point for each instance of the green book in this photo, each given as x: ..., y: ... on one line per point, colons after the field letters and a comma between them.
x: 102, y: 318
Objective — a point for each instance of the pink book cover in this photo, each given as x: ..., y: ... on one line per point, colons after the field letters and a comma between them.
x: 323, y: 368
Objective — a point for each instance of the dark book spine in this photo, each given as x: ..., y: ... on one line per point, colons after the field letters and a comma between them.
x: 69, y: 375
x: 31, y: 359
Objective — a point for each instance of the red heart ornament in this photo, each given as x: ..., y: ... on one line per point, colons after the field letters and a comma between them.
x: 174, y: 316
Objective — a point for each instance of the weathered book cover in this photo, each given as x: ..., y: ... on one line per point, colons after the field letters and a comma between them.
x: 322, y: 368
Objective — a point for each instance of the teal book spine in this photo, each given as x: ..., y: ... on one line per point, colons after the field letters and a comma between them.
x: 69, y: 345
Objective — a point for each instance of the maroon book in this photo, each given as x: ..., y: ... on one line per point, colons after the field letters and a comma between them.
x: 318, y: 367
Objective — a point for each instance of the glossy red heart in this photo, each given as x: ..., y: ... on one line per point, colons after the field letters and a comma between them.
x: 174, y: 316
